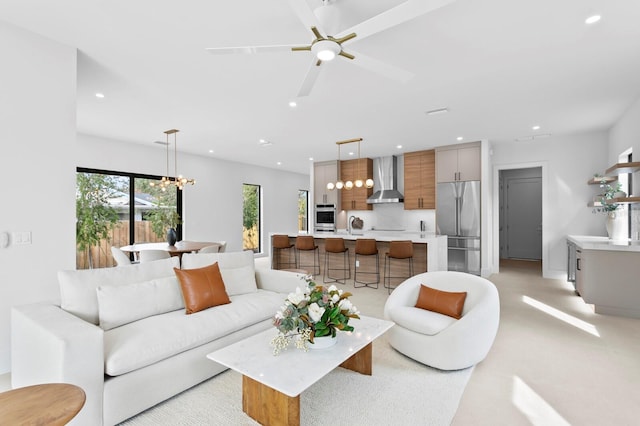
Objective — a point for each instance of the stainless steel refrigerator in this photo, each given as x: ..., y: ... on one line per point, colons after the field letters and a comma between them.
x: 458, y: 217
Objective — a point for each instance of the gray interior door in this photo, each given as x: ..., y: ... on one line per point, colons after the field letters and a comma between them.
x: 523, y: 208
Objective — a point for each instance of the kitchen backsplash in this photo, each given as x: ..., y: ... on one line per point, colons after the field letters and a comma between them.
x: 390, y: 217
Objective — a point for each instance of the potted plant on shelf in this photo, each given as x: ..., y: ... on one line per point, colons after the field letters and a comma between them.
x: 165, y: 219
x: 615, y: 223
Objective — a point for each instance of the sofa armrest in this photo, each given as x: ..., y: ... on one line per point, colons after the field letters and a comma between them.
x: 49, y: 344
x: 279, y: 281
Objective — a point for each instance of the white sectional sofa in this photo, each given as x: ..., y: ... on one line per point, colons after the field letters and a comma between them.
x: 122, y: 334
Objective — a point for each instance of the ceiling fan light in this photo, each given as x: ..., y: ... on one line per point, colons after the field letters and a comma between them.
x: 325, y: 50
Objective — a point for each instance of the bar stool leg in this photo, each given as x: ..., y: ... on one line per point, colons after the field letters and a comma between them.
x: 369, y: 284
x: 346, y: 269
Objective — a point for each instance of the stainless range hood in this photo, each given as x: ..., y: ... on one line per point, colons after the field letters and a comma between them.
x: 385, y: 175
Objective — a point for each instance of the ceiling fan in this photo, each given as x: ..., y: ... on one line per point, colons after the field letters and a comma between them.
x: 326, y: 47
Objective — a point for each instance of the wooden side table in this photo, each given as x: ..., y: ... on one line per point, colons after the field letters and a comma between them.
x: 46, y: 404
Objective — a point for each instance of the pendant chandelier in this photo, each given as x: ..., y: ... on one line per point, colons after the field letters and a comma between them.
x: 358, y: 183
x: 178, y: 180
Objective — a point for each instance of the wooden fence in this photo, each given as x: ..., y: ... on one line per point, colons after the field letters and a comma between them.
x: 101, y: 254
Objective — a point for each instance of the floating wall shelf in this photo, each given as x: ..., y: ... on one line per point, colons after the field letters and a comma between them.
x: 622, y: 168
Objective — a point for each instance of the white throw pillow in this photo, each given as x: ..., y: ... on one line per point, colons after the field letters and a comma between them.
x: 122, y: 304
x: 78, y: 288
x: 237, y: 269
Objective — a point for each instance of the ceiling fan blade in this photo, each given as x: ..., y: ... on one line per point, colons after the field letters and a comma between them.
x: 394, y: 16
x: 381, y: 68
x: 250, y: 49
x: 309, y: 79
x: 305, y: 14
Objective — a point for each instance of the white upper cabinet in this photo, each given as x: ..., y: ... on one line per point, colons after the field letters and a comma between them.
x: 324, y: 173
x: 458, y: 163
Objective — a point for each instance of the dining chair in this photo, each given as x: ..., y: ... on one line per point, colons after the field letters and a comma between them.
x: 120, y: 257
x: 151, y: 255
x: 213, y: 248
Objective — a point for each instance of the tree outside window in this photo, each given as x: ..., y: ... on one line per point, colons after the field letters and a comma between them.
x: 303, y: 209
x: 251, y: 217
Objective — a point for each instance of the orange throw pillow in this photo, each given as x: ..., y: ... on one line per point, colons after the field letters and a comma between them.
x: 202, y: 288
x: 442, y: 302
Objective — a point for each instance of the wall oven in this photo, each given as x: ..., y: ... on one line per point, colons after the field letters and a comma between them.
x: 325, y: 218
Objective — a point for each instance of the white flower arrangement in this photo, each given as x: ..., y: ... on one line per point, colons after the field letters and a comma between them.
x: 310, y: 312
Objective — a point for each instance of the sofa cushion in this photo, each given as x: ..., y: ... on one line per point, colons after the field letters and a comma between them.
x: 122, y: 304
x: 149, y: 340
x: 443, y: 302
x: 202, y: 288
x: 78, y: 288
x: 420, y: 320
x: 237, y: 269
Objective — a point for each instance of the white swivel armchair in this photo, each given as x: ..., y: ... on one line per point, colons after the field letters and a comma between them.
x: 438, y: 340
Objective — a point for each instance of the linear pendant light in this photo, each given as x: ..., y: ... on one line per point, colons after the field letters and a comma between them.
x: 349, y: 184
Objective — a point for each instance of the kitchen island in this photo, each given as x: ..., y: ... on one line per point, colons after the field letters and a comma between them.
x: 605, y: 273
x: 429, y: 249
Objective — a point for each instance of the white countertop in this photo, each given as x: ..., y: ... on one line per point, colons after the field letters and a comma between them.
x: 384, y: 236
x: 587, y: 242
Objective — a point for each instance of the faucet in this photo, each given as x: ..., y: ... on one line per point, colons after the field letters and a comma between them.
x: 349, y: 224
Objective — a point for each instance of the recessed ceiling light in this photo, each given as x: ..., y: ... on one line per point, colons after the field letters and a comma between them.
x: 210, y: 151
x: 459, y: 138
x: 100, y: 95
x: 293, y: 104
x: 592, y: 19
x: 310, y: 158
x: 536, y: 127
x: 437, y: 111
x: 279, y: 163
x: 264, y: 142
x: 351, y: 153
x: 399, y: 146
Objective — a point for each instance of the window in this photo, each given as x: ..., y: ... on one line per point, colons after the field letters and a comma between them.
x: 108, y: 202
x: 303, y: 210
x: 251, y: 217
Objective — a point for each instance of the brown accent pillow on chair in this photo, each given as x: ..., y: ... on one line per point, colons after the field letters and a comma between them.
x: 202, y: 288
x: 442, y: 302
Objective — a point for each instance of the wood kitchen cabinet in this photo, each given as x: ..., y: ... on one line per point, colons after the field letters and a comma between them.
x: 356, y: 198
x: 323, y: 173
x: 420, y: 180
x: 458, y: 163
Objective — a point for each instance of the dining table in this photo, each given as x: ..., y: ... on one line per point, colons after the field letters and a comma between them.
x: 175, y: 250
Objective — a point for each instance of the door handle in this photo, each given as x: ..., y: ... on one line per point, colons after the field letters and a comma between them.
x: 578, y: 265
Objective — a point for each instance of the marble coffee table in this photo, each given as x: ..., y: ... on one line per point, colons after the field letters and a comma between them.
x: 271, y: 384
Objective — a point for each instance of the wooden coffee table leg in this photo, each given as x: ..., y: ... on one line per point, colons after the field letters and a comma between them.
x: 360, y: 361
x: 267, y: 406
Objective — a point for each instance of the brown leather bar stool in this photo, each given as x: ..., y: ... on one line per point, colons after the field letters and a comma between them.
x: 399, y: 250
x: 307, y: 243
x: 279, y: 243
x: 335, y: 246
x: 366, y: 247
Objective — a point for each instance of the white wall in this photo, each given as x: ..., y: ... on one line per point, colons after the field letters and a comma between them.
x: 37, y: 106
x: 213, y: 206
x: 567, y: 162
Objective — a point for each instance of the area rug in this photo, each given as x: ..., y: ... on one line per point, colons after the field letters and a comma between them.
x: 401, y: 391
